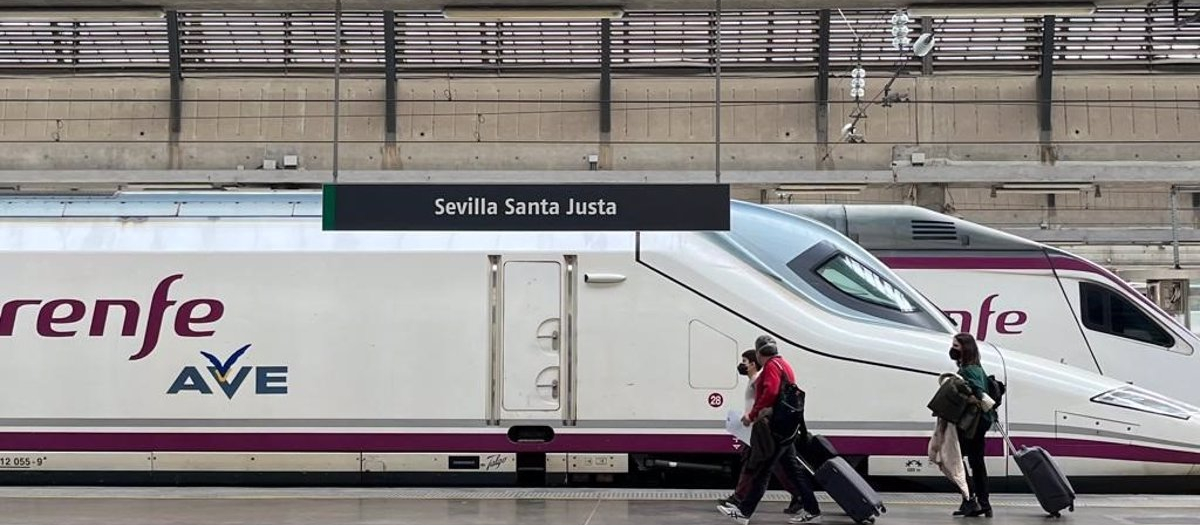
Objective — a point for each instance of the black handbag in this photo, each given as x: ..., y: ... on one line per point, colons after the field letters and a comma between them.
x: 787, y: 415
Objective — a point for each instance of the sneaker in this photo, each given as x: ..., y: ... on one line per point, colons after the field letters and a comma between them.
x: 734, y: 513
x: 806, y: 517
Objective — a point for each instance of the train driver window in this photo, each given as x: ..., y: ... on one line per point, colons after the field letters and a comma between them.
x: 1106, y: 311
x: 855, y: 285
x: 855, y: 279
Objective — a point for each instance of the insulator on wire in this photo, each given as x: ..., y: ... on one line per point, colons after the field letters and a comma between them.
x: 900, y: 30
x: 858, y: 82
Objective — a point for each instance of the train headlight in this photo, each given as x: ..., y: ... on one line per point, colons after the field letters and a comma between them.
x: 1135, y: 398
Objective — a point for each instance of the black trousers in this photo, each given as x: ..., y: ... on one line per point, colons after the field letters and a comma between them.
x: 972, y: 449
x: 767, y: 456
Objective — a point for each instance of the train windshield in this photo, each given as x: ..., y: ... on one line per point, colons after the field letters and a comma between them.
x: 824, y: 267
x: 854, y: 278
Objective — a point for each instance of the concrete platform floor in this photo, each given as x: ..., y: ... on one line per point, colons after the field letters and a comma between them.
x: 235, y: 506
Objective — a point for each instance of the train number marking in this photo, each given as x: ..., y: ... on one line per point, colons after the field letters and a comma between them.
x: 715, y: 400
x: 21, y: 462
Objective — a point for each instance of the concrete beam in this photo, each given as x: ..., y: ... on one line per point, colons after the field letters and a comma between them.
x: 230, y: 177
x: 989, y: 173
x: 956, y: 176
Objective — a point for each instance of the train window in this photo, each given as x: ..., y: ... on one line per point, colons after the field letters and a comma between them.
x: 853, y: 278
x: 1108, y: 312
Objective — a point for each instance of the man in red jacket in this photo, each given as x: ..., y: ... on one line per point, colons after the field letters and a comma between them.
x: 774, y: 369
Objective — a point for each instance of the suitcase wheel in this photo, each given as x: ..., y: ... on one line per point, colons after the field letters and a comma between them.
x: 867, y: 521
x: 883, y: 509
x: 1055, y: 514
x: 1072, y: 507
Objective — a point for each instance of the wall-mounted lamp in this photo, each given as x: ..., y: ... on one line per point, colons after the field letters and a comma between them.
x: 821, y: 189
x: 1038, y: 188
x: 531, y: 13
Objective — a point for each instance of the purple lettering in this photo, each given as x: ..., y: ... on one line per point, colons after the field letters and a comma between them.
x: 8, y: 314
x: 1005, y: 323
x: 158, y: 307
x: 184, y: 319
x: 190, y: 320
x: 1002, y: 324
x: 985, y: 313
x: 47, y: 319
x: 128, y: 324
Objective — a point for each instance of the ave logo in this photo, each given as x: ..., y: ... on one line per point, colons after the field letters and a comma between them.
x: 266, y: 379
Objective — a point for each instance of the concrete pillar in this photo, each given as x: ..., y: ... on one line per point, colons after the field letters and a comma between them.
x: 931, y: 196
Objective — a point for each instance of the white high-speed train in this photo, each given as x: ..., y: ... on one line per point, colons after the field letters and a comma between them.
x: 1026, y: 295
x: 157, y: 336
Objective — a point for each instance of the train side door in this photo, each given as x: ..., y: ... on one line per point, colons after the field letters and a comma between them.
x: 531, y: 340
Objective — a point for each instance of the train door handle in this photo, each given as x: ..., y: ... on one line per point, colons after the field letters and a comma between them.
x: 553, y: 388
x: 553, y: 337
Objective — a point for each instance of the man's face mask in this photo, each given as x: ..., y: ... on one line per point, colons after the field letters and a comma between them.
x: 743, y: 369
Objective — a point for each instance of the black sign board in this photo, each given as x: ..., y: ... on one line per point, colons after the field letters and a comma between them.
x: 526, y: 207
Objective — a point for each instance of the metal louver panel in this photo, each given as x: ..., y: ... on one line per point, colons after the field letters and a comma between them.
x: 983, y: 43
x: 39, y: 47
x: 925, y: 230
x: 785, y: 41
x: 1126, y: 38
x: 215, y: 41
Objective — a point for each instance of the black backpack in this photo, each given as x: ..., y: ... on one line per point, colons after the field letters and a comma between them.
x: 787, y: 415
x: 996, y: 390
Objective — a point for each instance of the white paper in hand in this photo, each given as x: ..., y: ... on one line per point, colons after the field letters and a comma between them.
x: 734, y: 426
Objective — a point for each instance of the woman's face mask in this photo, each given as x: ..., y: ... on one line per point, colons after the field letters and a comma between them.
x: 743, y: 369
x: 955, y: 354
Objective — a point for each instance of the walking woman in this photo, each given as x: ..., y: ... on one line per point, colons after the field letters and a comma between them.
x: 965, y: 353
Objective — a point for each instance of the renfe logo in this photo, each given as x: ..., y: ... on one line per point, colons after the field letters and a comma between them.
x: 267, y: 379
x: 56, y: 317
x: 1005, y: 321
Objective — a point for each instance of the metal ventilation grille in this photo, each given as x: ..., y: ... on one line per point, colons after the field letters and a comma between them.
x: 33, y: 47
x: 429, y: 41
x: 934, y: 231
x: 642, y: 41
x: 215, y: 41
x: 748, y: 39
x: 1125, y: 38
x: 991, y: 43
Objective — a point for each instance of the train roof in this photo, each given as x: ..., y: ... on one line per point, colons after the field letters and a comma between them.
x: 166, y: 204
x: 226, y: 221
x: 885, y: 228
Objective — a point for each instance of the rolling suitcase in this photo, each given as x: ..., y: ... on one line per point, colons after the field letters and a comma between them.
x: 850, y: 491
x: 818, y: 450
x: 1052, y: 488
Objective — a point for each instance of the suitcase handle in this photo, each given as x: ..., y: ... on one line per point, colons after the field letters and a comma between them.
x: 1012, y: 450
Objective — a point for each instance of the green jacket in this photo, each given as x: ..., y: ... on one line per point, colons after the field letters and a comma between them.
x: 976, y: 378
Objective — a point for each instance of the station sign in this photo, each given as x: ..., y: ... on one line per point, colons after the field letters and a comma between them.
x: 526, y: 207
